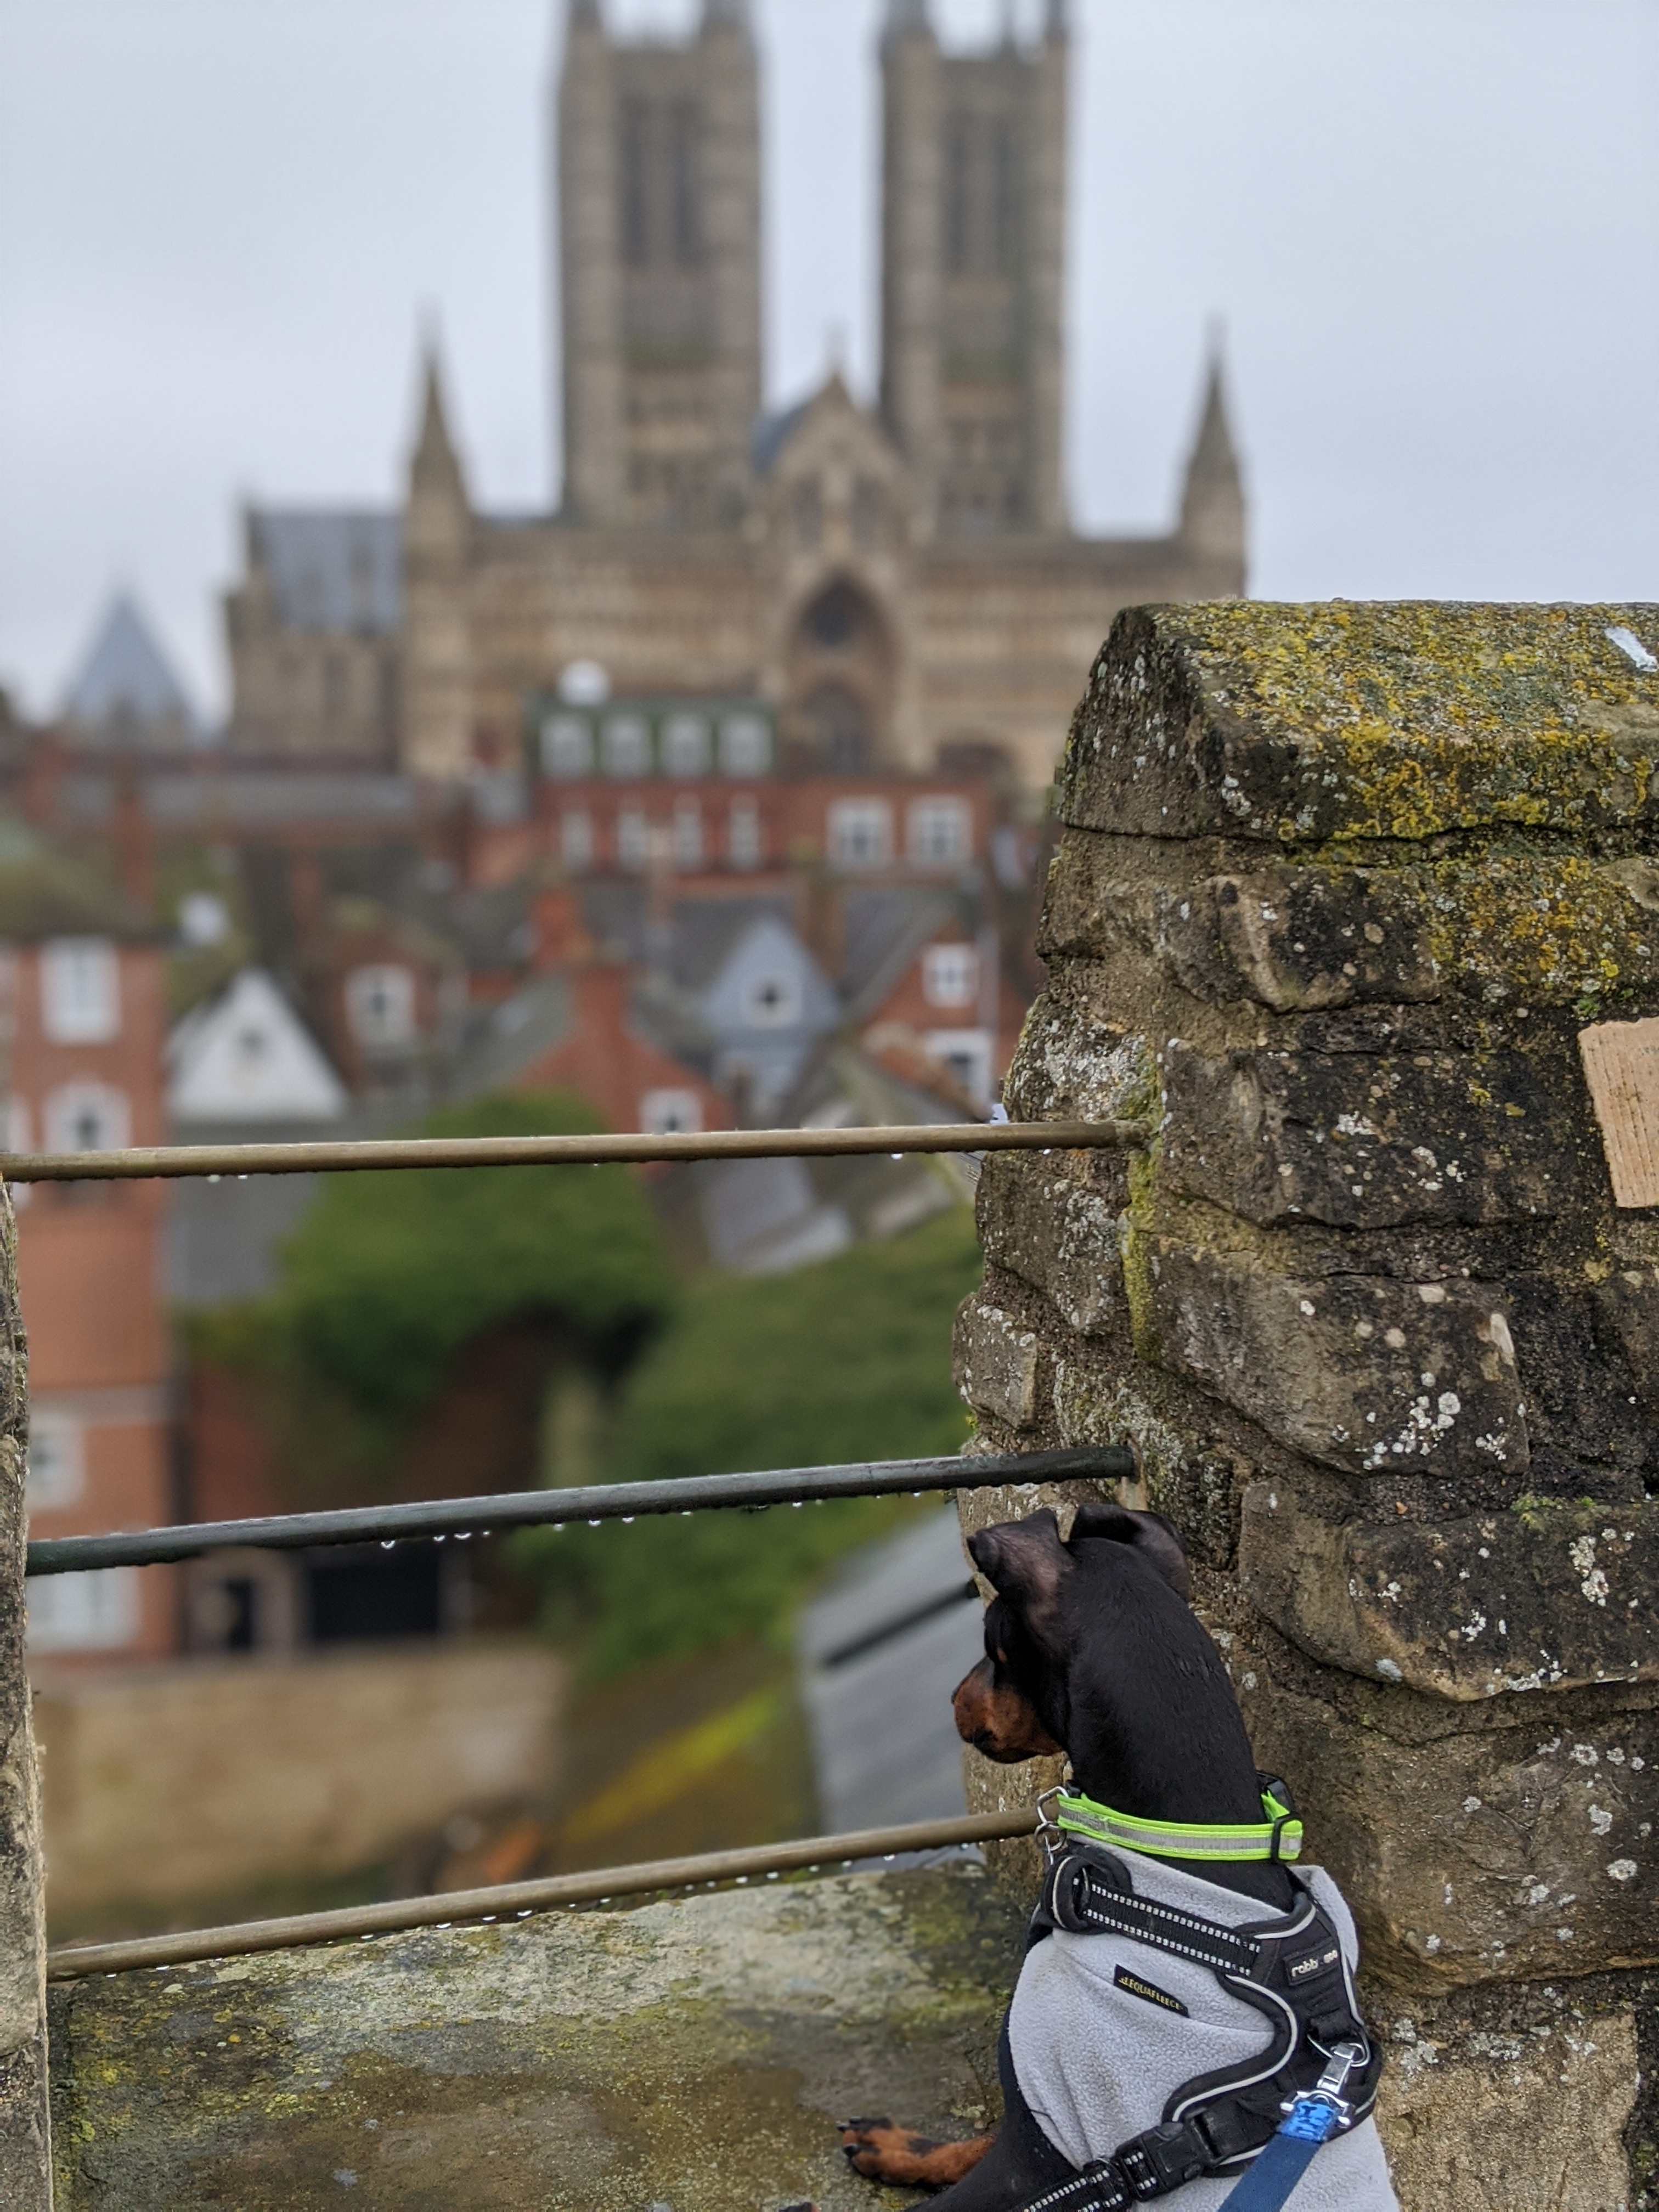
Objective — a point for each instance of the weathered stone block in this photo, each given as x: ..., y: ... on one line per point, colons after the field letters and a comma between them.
x: 1501, y: 1852
x: 1071, y: 1064
x: 697, y: 2053
x: 1363, y: 1143
x: 1544, y: 927
x: 1296, y: 939
x: 1362, y: 1373
x: 996, y: 1364
x: 1541, y: 1597
x: 1511, y: 2119
x: 1302, y: 723
x: 1054, y: 1222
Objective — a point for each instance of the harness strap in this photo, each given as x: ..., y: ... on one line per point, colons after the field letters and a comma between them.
x: 1085, y: 1900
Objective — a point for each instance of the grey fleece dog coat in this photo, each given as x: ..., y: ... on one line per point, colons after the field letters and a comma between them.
x: 1099, y: 2039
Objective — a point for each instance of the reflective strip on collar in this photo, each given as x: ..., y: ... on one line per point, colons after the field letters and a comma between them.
x: 1277, y: 1837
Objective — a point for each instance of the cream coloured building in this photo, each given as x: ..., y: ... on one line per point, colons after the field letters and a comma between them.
x: 896, y: 582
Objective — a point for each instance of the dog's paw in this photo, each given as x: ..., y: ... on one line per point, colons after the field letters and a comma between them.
x: 881, y: 2151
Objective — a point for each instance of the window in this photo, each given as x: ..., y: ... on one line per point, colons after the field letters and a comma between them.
x: 94, y: 1612
x: 940, y: 832
x: 567, y: 747
x: 86, y: 1117
x: 839, y: 724
x: 742, y: 834
x: 380, y: 1005
x: 771, y: 1002
x: 866, y: 510
x: 809, y: 511
x: 861, y: 832
x: 627, y: 746
x: 685, y: 746
x: 80, y: 990
x: 966, y: 1054
x: 834, y: 618
x: 688, y: 834
x: 950, y: 975
x: 576, y: 837
x: 635, y: 187
x: 633, y: 837
x: 745, y: 745
x: 671, y: 1113
x: 56, y: 1463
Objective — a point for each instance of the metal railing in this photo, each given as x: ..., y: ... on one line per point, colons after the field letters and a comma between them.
x: 612, y: 1501
x: 217, y: 1162
x: 517, y: 1900
x: 438, y: 1520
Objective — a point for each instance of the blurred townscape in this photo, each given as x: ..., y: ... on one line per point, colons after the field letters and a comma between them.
x: 713, y: 799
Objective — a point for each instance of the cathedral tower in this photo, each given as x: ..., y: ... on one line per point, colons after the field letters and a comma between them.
x: 973, y: 272
x: 660, y: 238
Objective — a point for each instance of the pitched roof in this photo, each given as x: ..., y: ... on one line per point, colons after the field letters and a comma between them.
x: 331, y: 570
x: 125, y: 672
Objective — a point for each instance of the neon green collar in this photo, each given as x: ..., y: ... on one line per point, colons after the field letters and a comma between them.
x: 1277, y: 1837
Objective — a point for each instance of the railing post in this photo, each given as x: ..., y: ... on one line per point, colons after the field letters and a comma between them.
x: 25, y: 2138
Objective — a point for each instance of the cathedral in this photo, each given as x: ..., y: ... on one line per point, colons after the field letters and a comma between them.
x: 893, y: 586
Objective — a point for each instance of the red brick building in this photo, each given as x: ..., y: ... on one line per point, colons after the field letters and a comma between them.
x: 83, y: 987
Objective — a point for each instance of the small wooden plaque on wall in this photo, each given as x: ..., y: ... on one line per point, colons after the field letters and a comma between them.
x: 1621, y: 1065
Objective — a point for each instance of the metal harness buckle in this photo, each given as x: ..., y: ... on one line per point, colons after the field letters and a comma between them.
x: 1343, y: 2059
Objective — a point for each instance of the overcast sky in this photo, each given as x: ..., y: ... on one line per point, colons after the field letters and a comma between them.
x: 1431, y: 228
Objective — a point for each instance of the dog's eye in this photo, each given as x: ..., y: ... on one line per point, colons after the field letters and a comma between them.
x: 1002, y: 1656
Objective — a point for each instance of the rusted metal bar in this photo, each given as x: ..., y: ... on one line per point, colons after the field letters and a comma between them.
x: 609, y: 1501
x: 134, y: 1162
x: 519, y: 1898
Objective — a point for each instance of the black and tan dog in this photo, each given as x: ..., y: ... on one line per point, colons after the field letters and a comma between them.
x: 1092, y: 1649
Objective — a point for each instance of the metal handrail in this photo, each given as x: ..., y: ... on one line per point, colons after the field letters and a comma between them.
x: 131, y: 1163
x: 611, y: 1501
x: 519, y: 1900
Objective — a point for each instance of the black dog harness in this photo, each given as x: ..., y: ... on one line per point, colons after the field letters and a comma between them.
x: 1290, y: 1968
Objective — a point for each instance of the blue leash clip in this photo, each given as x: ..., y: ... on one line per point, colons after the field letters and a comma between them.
x: 1311, y: 2120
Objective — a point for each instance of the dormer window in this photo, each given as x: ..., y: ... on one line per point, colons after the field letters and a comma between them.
x: 80, y: 990
x: 380, y: 1005
x: 771, y: 1002
x: 86, y: 1117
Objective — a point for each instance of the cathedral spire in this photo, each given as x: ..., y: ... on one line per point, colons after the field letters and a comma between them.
x: 1057, y: 21
x: 586, y: 13
x: 1212, y: 498
x: 726, y: 15
x: 435, y: 469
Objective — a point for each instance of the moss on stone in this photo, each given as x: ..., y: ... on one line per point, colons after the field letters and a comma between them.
x: 1392, y: 719
x: 695, y: 2053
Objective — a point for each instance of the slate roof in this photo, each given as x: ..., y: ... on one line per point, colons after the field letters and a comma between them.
x: 125, y: 672
x: 331, y: 570
x: 772, y: 433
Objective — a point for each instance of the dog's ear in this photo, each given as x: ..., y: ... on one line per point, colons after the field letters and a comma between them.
x: 1023, y: 1561
x: 1157, y: 1539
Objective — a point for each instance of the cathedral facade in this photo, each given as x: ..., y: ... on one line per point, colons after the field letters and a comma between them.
x: 897, y: 584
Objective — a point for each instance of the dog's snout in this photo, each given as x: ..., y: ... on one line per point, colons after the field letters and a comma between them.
x: 996, y: 1719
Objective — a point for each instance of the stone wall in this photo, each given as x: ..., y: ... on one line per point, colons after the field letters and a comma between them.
x: 1339, y: 888
x: 169, y: 1784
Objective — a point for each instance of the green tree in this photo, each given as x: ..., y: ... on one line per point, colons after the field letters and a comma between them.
x: 849, y: 1359
x: 390, y: 1275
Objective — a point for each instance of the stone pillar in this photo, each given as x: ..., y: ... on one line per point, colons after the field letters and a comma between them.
x: 25, y: 2142
x: 1341, y: 889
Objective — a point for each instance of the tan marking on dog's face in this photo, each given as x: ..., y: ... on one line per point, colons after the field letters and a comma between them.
x: 996, y: 1719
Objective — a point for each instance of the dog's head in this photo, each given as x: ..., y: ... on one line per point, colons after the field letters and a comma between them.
x: 1053, y: 1617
